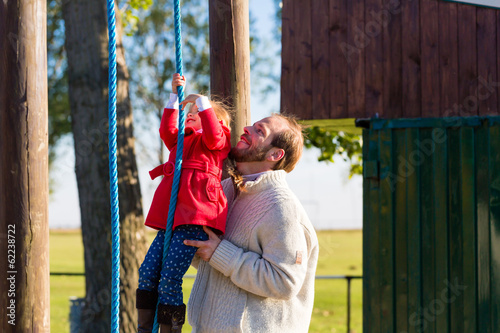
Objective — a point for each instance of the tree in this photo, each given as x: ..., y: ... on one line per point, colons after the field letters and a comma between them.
x: 87, y: 54
x: 59, y: 111
x: 150, y: 47
x: 336, y: 143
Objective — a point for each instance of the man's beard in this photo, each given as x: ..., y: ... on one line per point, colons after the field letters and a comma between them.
x: 257, y: 154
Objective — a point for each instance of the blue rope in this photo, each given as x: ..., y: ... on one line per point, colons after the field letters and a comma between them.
x: 180, y: 141
x: 113, y: 173
x: 180, y: 134
x: 115, y: 219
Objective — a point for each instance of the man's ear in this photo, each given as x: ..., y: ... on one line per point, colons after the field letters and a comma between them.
x: 275, y: 154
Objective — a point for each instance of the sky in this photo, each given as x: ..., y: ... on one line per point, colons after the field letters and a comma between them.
x: 331, y: 199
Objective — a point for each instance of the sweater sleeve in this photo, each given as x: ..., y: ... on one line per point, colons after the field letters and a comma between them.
x: 168, y: 126
x: 279, y: 271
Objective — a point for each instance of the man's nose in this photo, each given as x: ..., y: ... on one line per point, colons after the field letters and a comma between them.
x: 245, y: 130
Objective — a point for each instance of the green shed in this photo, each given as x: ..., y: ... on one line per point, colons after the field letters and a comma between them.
x: 431, y: 233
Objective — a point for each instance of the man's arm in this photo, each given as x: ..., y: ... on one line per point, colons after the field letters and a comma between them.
x: 278, y: 272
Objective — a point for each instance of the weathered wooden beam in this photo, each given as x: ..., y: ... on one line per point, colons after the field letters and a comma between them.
x: 24, y: 231
x: 230, y: 58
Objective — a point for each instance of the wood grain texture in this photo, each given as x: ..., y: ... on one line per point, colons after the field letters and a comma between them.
x: 24, y: 198
x: 386, y: 229
x: 338, y: 59
x: 494, y: 211
x: 497, y: 90
x: 469, y: 227
x: 455, y: 231
x: 358, y: 40
x: 412, y: 55
x: 448, y: 57
x: 399, y: 184
x: 428, y: 224
x: 288, y: 59
x: 240, y: 85
x: 487, y: 93
x: 467, y: 59
x: 482, y: 158
x: 430, y: 58
x: 414, y: 240
x: 374, y: 58
x: 440, y: 179
x: 427, y: 61
x: 392, y: 93
x: 303, y: 59
x: 321, y: 63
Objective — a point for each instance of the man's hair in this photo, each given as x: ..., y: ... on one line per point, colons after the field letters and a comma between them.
x: 291, y: 140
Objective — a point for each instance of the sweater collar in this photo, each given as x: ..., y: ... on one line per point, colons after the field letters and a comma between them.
x: 265, y: 180
x: 253, y: 176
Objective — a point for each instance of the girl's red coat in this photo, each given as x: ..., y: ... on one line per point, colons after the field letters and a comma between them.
x: 200, y: 199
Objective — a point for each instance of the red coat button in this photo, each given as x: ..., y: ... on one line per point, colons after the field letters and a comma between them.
x: 210, y: 188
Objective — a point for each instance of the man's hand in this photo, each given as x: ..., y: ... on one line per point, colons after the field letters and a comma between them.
x: 205, y: 248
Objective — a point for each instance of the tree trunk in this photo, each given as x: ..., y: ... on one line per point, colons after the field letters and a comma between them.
x: 87, y: 51
x: 24, y: 227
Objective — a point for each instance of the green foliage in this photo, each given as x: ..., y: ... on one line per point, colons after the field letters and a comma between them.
x: 265, y: 53
x: 151, y: 52
x: 129, y: 14
x: 331, y: 143
x: 57, y: 81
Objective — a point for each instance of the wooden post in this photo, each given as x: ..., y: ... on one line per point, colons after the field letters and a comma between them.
x: 24, y: 231
x: 230, y: 58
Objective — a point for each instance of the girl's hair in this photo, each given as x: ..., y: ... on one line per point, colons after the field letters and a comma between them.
x: 236, y: 176
x: 222, y: 110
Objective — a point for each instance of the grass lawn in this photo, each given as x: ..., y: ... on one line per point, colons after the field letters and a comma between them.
x: 340, y: 254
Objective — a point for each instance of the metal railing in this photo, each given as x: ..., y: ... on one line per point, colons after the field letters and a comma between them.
x: 348, y: 278
x: 318, y: 277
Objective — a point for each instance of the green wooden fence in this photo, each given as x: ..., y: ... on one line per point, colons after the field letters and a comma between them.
x: 431, y: 231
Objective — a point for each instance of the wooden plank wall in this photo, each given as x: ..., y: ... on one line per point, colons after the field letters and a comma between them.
x: 431, y: 227
x: 394, y: 58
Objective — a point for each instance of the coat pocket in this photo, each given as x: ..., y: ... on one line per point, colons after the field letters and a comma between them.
x: 212, y: 189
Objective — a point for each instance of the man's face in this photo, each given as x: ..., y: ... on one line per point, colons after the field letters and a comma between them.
x: 256, y: 140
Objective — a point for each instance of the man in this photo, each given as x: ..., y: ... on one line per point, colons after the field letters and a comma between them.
x: 260, y: 277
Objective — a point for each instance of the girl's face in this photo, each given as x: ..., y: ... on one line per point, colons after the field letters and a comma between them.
x: 193, y: 119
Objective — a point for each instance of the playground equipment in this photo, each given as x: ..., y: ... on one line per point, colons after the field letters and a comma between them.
x: 24, y: 147
x: 24, y: 194
x: 231, y: 84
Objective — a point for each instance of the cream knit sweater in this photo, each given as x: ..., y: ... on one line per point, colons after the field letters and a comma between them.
x: 261, y: 277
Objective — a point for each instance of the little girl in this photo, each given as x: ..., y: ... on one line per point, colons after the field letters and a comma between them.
x: 200, y: 202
